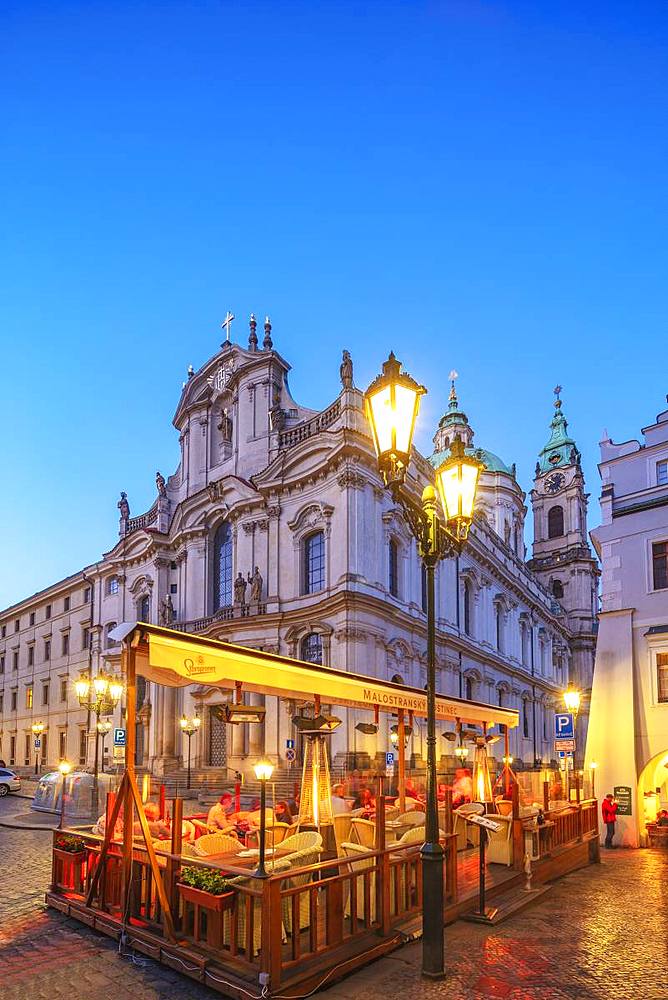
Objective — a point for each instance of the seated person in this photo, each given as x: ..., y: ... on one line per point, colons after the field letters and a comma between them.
x: 462, y: 787
x: 220, y: 813
x: 283, y: 813
x: 339, y: 804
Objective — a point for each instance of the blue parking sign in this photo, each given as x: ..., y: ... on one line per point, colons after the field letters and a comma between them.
x: 119, y: 737
x: 563, y: 726
x: 389, y: 759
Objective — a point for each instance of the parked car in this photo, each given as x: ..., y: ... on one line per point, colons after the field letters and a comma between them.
x: 9, y: 782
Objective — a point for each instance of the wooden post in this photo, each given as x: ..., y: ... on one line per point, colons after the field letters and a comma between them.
x: 576, y: 775
x: 546, y: 796
x: 270, y: 940
x: 128, y: 668
x: 161, y: 801
x: 448, y: 811
x: 506, y: 762
x: 518, y: 833
x: 401, y: 751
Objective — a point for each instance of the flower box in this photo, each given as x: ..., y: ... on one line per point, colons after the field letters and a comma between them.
x: 68, y: 869
x: 207, y: 900
x: 207, y: 914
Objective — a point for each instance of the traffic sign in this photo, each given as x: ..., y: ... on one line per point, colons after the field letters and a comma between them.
x: 291, y: 755
x: 563, y: 726
x: 38, y: 743
x: 119, y: 737
x: 389, y: 759
x: 564, y: 746
x: 290, y: 744
x: 119, y: 753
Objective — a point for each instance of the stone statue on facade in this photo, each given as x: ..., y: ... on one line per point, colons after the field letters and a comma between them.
x: 160, y: 484
x: 240, y: 589
x: 346, y: 371
x: 255, y: 586
x: 166, y: 612
x: 225, y: 426
x: 124, y: 507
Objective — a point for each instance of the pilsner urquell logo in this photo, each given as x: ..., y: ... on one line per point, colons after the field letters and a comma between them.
x: 198, y: 667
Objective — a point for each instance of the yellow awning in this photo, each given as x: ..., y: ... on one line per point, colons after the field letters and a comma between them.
x: 178, y: 659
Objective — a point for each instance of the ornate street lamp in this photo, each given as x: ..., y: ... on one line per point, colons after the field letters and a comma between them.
x: 37, y: 730
x: 104, y: 728
x: 263, y: 772
x: 392, y: 402
x: 100, y: 695
x: 189, y: 726
x: 572, y: 701
x: 64, y: 767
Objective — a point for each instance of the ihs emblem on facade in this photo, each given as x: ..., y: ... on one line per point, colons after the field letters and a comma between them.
x: 221, y: 379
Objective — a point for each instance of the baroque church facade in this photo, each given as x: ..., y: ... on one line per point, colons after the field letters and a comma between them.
x: 275, y: 532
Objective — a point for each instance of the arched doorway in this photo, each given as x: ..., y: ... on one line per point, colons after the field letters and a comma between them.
x: 652, y: 790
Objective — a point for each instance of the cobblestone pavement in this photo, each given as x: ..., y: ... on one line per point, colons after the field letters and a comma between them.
x: 598, y: 934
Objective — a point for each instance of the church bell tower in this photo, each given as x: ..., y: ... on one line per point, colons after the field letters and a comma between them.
x: 562, y: 559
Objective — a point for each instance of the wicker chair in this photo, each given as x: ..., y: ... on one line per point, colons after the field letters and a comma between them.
x: 412, y: 818
x: 363, y: 831
x: 342, y: 826
x: 304, y: 841
x: 280, y: 865
x: 165, y: 847
x: 274, y: 835
x: 300, y: 859
x: 360, y: 860
x: 216, y: 843
x: 415, y: 835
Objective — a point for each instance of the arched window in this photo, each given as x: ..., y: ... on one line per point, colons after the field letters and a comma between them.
x: 525, y: 718
x: 467, y: 607
x: 555, y: 522
x: 558, y: 589
x: 468, y: 687
x: 393, y: 567
x: 107, y: 629
x: 501, y: 699
x: 526, y: 648
x: 112, y: 585
x: 314, y: 563
x: 498, y: 622
x: 222, y: 567
x: 311, y: 648
x: 145, y: 609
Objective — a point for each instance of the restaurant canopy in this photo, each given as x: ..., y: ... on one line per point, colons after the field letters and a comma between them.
x: 178, y: 659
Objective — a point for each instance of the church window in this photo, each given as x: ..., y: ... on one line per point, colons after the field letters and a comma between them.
x: 173, y: 588
x: 145, y: 609
x: 311, y: 648
x: 2, y: 664
x: 85, y: 638
x: 62, y: 744
x: 29, y: 696
x: 468, y: 688
x: 662, y: 676
x: 15, y: 660
x: 555, y: 522
x: 87, y: 595
x: 525, y: 643
x: 45, y: 694
x: 108, y: 641
x: 660, y: 565
x: 498, y: 622
x: 66, y: 604
x: 31, y: 655
x: 314, y: 563
x: 47, y: 649
x: 63, y: 689
x: 112, y: 585
x: 31, y: 619
x: 17, y: 624
x: 65, y: 643
x: 525, y: 718
x: 222, y: 563
x: 15, y: 696
x: 558, y: 589
x: 393, y: 568
x: 3, y: 632
x: 47, y: 612
x: 467, y: 607
x: 661, y: 473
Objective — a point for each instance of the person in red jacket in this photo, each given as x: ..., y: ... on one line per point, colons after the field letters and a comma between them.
x: 609, y: 808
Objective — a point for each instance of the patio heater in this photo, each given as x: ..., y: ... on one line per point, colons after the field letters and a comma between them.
x: 482, y: 779
x: 315, y: 798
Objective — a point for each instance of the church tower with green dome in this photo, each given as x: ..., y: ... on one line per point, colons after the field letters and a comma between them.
x: 562, y: 559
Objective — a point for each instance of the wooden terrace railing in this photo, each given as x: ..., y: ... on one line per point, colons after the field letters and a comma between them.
x: 320, y: 914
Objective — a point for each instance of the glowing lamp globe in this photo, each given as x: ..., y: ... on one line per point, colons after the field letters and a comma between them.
x: 392, y: 402
x: 82, y: 687
x: 572, y: 700
x: 100, y: 685
x: 457, y: 482
x: 115, y: 690
x: 64, y: 767
x: 263, y: 770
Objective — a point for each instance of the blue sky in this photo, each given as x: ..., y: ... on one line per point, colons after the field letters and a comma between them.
x: 478, y: 185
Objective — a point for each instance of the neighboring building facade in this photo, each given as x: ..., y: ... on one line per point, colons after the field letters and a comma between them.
x: 628, y: 734
x: 275, y: 532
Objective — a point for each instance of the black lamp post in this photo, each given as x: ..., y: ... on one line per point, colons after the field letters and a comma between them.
x: 392, y: 402
x: 103, y: 729
x: 37, y: 730
x: 263, y: 772
x: 189, y: 727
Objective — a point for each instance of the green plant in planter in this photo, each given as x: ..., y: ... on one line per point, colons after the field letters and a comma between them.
x: 206, y: 879
x: 72, y: 845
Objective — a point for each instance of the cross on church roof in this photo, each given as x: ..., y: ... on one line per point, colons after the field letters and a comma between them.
x: 226, y: 325
x: 557, y: 390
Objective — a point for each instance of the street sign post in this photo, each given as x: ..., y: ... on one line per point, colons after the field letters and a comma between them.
x: 389, y: 763
x: 38, y: 743
x: 564, y: 746
x: 564, y: 726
